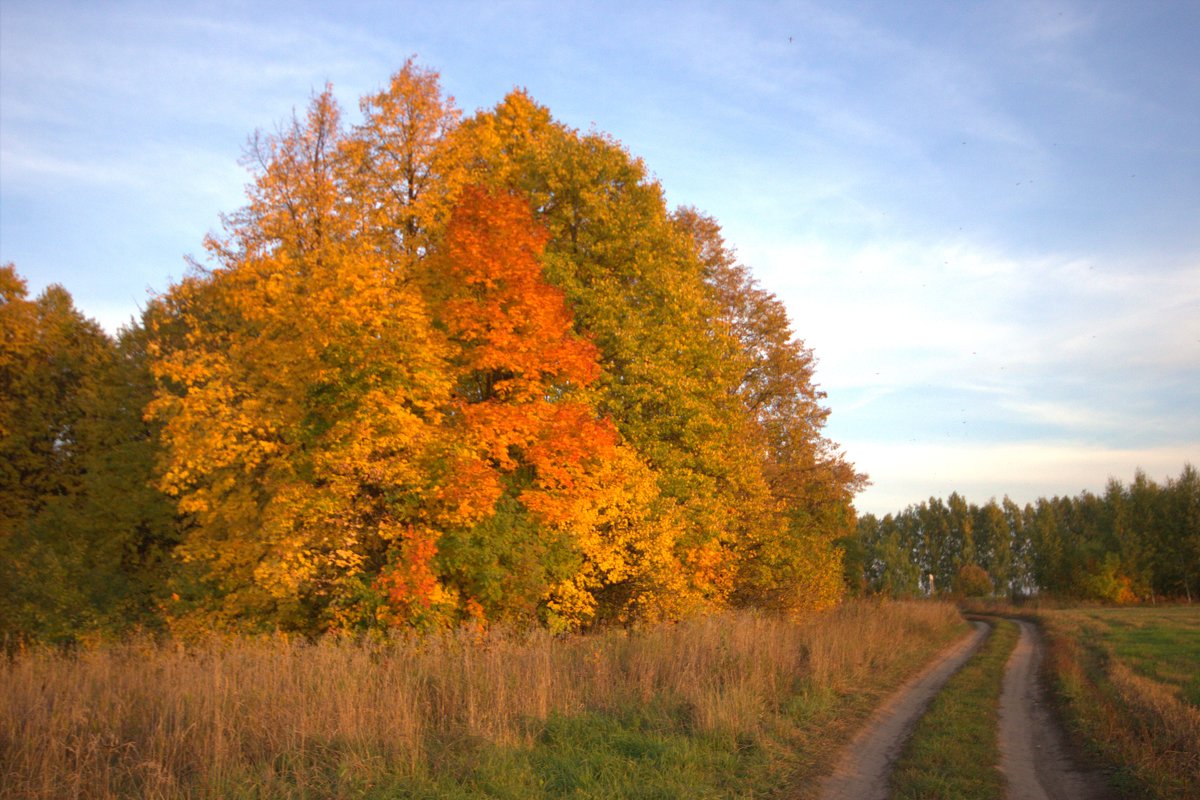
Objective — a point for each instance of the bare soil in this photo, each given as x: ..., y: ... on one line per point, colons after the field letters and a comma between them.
x: 1033, y: 755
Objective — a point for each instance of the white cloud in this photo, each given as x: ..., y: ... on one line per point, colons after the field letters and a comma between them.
x: 23, y: 166
x: 906, y: 474
x: 912, y: 312
x: 924, y: 342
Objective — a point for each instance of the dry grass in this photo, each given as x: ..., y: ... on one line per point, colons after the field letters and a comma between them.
x: 1146, y: 728
x: 231, y: 717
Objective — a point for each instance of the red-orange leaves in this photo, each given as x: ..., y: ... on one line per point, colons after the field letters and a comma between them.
x: 540, y: 469
x: 414, y: 593
x: 514, y: 328
x: 519, y: 362
x: 469, y: 492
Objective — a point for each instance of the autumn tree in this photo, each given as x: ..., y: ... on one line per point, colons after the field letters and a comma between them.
x: 546, y: 506
x: 301, y: 387
x: 443, y: 368
x: 671, y: 364
x: 972, y: 580
x: 401, y: 173
x: 810, y: 482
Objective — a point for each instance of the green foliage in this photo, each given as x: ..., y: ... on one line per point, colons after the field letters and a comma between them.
x: 1132, y: 543
x: 854, y: 564
x: 84, y: 537
x: 890, y: 566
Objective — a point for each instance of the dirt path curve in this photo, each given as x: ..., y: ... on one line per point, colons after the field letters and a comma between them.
x: 1033, y: 757
x: 866, y: 762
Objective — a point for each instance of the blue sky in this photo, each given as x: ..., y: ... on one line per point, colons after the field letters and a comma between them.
x: 983, y: 216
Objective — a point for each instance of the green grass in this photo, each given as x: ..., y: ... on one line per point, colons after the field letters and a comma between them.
x: 1162, y: 644
x: 596, y: 756
x: 953, y: 751
x: 1126, y: 680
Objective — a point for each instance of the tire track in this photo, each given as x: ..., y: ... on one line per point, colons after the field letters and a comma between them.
x: 862, y: 770
x: 1033, y: 757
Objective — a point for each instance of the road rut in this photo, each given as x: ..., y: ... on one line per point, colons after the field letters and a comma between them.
x: 1033, y: 757
x: 863, y: 769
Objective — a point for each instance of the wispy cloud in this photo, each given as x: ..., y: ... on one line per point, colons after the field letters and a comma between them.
x: 960, y: 349
x: 981, y: 216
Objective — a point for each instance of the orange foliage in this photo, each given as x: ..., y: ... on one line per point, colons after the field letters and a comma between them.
x: 521, y: 408
x: 449, y: 372
x: 519, y: 363
x: 413, y: 589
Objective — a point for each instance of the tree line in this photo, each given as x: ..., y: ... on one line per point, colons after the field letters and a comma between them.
x: 1134, y: 542
x: 438, y: 370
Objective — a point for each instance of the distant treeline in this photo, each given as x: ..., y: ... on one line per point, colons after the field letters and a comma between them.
x: 1133, y: 542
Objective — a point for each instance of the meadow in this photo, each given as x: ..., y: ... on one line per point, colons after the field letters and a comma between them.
x: 731, y: 705
x: 1127, y: 681
x: 1161, y: 644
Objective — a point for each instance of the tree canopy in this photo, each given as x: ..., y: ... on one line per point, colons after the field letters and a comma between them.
x: 1134, y: 542
x: 437, y: 370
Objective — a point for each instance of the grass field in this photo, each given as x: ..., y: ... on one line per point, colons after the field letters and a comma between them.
x: 953, y: 751
x: 1128, y: 682
x: 736, y: 705
x: 1162, y: 644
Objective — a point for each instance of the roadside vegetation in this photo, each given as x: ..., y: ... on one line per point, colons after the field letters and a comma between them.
x: 1127, y: 680
x: 733, y: 705
x: 1125, y: 683
x: 953, y: 751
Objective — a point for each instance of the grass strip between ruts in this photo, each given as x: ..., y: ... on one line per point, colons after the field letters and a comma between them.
x: 954, y: 752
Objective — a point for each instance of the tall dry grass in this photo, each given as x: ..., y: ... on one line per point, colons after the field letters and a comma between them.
x: 155, y: 721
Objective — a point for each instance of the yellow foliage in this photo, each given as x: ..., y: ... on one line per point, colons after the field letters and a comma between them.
x: 455, y: 371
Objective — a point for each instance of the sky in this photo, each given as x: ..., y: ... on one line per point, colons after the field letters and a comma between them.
x: 983, y: 217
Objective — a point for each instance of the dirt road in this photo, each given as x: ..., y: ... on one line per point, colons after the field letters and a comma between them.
x: 1033, y: 756
x: 863, y: 770
x: 1032, y: 753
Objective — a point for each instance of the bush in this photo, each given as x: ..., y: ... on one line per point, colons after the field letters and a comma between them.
x: 972, y: 581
